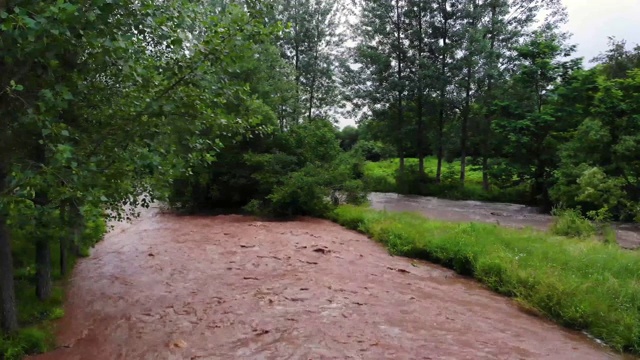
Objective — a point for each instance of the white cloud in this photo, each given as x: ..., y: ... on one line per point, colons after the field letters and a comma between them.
x: 593, y: 21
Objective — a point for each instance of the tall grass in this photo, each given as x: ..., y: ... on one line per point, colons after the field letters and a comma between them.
x: 581, y: 284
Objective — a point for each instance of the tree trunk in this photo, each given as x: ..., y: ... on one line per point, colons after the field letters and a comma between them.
x: 439, y: 171
x: 400, y: 87
x: 464, y: 135
x: 443, y: 89
x: 64, y: 251
x: 43, y: 268
x: 9, y: 316
x: 420, y: 132
x: 487, y: 136
x: 64, y: 242
x: 485, y: 172
x: 78, y: 228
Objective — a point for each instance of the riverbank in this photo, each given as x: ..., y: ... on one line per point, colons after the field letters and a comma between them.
x: 503, y: 214
x: 581, y: 284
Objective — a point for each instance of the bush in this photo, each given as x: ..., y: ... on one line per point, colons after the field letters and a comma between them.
x: 373, y: 150
x: 582, y: 284
x: 570, y: 222
x: 283, y: 174
x: 26, y: 341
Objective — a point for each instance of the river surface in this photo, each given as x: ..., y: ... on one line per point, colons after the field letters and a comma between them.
x: 511, y: 215
x: 235, y: 287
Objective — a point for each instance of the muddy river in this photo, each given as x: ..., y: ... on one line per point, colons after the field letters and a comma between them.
x: 234, y: 287
x: 511, y: 215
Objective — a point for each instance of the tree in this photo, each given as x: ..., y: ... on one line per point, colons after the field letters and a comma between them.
x: 527, y: 122
x: 103, y: 105
x: 381, y: 58
x: 311, y: 46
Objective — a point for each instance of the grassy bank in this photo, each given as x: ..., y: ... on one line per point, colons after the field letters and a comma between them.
x: 581, y: 284
x: 382, y: 176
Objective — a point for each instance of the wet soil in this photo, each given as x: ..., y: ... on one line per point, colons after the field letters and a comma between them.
x: 234, y: 287
x: 511, y: 215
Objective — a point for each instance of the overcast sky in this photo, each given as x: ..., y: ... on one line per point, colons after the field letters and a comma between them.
x: 592, y: 21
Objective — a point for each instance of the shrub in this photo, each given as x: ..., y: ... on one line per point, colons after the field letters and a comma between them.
x: 570, y: 222
x: 373, y: 150
x: 26, y: 341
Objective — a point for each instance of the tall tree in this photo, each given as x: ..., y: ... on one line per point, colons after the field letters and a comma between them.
x: 380, y: 61
x: 311, y: 46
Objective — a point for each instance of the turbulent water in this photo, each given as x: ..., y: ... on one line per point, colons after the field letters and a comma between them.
x: 511, y: 215
x: 233, y: 287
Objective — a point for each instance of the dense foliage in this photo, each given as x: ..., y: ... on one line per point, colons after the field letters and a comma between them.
x: 109, y: 105
x: 493, y: 84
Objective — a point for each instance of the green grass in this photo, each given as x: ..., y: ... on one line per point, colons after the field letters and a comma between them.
x: 382, y: 177
x: 580, y: 283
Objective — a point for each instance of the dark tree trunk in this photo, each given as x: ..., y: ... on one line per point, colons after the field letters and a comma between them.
x: 77, y: 222
x: 400, y: 87
x: 64, y: 242
x: 43, y: 268
x: 464, y: 135
x: 443, y: 89
x: 487, y: 136
x: 64, y: 255
x: 440, y: 157
x: 485, y: 173
x: 420, y: 132
x: 8, y: 310
x: 9, y: 316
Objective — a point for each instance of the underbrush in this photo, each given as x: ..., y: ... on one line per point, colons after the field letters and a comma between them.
x: 580, y: 283
x: 383, y: 177
x: 570, y: 222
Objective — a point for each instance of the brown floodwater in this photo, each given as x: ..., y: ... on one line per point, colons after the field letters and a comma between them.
x: 512, y: 215
x: 235, y: 287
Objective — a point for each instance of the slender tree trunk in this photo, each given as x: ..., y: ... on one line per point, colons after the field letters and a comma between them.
x: 43, y: 251
x: 78, y: 228
x: 464, y: 135
x: 400, y: 87
x: 420, y: 132
x: 420, y: 147
x: 43, y: 268
x: 440, y: 157
x: 485, y: 172
x: 8, y: 314
x: 64, y: 242
x: 8, y: 309
x: 296, y: 64
x: 487, y: 138
x: 443, y: 88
